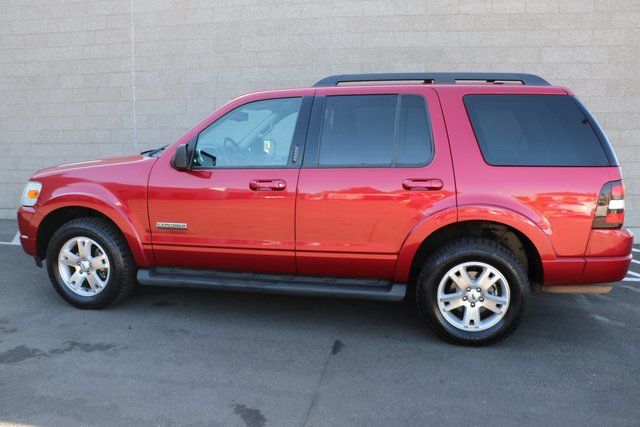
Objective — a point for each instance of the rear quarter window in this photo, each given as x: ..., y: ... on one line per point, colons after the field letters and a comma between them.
x: 535, y: 130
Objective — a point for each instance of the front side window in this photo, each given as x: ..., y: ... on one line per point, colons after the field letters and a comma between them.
x: 375, y: 130
x: 534, y: 130
x: 256, y: 134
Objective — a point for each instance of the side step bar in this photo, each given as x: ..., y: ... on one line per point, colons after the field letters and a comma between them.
x: 270, y: 283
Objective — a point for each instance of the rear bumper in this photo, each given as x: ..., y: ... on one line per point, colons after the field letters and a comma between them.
x: 607, y: 260
x: 609, y: 243
x: 605, y: 269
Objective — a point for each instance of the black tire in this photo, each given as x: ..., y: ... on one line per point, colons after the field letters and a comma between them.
x: 471, y: 250
x: 122, y: 277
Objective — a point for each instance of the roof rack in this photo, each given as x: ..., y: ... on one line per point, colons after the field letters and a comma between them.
x: 433, y: 78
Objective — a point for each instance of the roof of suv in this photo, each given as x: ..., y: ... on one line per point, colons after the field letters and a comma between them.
x: 456, y: 82
x: 435, y: 78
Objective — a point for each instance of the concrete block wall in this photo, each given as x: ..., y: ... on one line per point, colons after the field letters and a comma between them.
x: 85, y: 79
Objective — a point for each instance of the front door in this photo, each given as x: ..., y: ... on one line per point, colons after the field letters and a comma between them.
x: 375, y: 166
x: 234, y: 209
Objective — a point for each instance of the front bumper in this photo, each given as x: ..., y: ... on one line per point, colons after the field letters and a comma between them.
x: 28, y: 232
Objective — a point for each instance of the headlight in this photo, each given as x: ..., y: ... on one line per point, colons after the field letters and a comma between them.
x: 30, y: 193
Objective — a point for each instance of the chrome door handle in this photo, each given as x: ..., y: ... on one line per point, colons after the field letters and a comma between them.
x: 267, y: 184
x: 422, y: 184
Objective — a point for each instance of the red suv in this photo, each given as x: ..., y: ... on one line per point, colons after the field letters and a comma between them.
x: 463, y: 190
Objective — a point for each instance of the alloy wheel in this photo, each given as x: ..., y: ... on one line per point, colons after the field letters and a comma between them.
x: 84, y: 266
x: 473, y: 296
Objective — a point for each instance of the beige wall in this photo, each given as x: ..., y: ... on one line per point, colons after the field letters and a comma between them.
x: 97, y: 78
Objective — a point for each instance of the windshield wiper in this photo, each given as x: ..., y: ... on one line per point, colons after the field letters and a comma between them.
x: 153, y: 152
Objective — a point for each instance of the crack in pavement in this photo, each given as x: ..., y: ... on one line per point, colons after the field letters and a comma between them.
x: 335, y: 349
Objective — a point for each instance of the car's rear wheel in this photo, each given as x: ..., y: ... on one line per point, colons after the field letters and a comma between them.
x: 90, y: 264
x: 472, y: 291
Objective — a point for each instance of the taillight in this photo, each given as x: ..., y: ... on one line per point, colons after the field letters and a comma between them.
x: 610, y: 209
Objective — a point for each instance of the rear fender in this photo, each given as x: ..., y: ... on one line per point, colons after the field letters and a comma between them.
x: 496, y: 214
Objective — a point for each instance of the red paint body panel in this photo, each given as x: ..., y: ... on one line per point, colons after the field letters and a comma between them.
x: 605, y: 269
x: 27, y: 229
x: 223, y: 213
x: 343, y: 214
x: 115, y: 187
x: 341, y: 264
x: 561, y: 201
x: 353, y: 222
x: 609, y: 243
x: 230, y: 226
x: 563, y: 271
x: 225, y: 258
x: 417, y: 235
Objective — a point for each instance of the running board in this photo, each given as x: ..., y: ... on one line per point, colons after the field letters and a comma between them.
x: 371, y: 289
x: 578, y: 289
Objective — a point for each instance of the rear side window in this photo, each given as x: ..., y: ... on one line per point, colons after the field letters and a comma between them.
x: 375, y: 130
x: 534, y: 130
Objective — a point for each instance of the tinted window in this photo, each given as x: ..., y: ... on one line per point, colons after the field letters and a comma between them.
x: 534, y: 130
x: 414, y: 131
x: 253, y: 135
x: 375, y: 130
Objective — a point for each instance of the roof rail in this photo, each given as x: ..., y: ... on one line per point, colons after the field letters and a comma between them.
x: 434, y: 78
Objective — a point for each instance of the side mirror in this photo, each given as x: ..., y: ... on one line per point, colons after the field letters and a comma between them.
x: 180, y: 159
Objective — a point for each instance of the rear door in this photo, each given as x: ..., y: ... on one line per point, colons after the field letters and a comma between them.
x: 376, y: 163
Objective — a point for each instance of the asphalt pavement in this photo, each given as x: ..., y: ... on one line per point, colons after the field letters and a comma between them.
x: 192, y: 357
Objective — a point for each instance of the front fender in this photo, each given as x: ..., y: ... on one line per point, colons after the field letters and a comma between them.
x: 497, y: 214
x: 96, y: 197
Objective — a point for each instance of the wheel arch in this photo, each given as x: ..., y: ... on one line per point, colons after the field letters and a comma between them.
x: 54, y: 218
x: 518, y: 233
x: 516, y: 241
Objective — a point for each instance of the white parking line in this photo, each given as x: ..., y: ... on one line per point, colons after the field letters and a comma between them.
x: 631, y: 288
x: 632, y: 276
x: 14, y: 242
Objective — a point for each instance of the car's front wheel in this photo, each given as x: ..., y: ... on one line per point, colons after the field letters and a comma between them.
x: 90, y: 264
x: 472, y: 291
